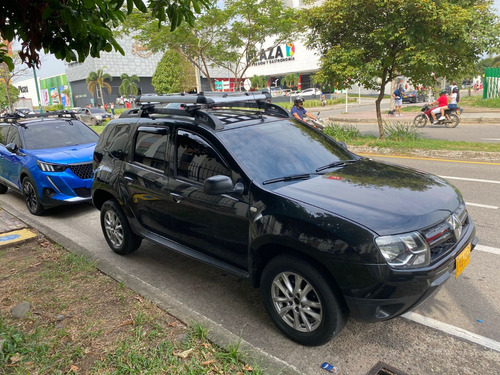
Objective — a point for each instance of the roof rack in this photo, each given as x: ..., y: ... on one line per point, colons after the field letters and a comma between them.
x: 15, y: 116
x: 210, y: 98
x: 194, y: 105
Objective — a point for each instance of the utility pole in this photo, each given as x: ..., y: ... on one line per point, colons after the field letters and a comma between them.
x: 37, y: 91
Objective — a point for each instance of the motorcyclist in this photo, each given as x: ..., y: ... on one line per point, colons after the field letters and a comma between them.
x: 442, y: 101
x: 298, y: 111
x: 453, y: 102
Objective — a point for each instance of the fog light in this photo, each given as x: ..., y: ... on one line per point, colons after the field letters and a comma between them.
x: 49, y: 192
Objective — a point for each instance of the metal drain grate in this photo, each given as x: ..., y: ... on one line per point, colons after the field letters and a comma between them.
x: 382, y: 368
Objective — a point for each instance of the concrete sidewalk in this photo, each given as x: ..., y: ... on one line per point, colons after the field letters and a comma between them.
x: 370, y: 116
x: 13, y: 230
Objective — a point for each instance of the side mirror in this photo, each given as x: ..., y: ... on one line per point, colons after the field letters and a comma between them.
x: 12, y: 147
x: 220, y: 184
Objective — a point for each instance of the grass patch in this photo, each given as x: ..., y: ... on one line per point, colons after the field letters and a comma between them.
x: 477, y: 101
x: 83, y: 322
x: 402, y: 137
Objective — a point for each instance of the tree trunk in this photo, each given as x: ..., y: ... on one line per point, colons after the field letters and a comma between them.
x: 379, y: 113
x: 102, y: 97
x: 9, y: 98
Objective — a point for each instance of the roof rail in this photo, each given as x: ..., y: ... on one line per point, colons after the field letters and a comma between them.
x: 211, y: 98
x: 15, y: 116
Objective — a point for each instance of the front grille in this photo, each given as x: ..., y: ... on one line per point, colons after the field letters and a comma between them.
x: 83, y: 171
x: 443, y: 236
x: 82, y: 192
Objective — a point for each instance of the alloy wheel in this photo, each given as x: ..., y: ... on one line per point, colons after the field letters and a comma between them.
x: 113, y: 228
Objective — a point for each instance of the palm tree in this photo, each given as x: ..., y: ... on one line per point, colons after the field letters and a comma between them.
x: 290, y: 80
x: 97, y: 80
x: 128, y: 86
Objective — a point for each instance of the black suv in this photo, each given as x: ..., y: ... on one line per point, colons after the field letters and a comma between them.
x: 236, y: 182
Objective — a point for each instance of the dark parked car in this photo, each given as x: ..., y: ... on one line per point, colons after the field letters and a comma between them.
x: 46, y: 159
x: 413, y: 96
x: 93, y: 116
x: 323, y: 232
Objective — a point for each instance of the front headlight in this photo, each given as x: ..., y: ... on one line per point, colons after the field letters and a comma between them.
x: 51, y: 167
x: 99, y: 117
x: 407, y: 250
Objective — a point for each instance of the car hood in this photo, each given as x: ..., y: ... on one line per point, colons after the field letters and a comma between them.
x: 66, y: 155
x: 385, y: 198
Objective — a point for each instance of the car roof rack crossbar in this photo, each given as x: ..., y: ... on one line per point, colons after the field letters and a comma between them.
x: 212, y: 98
x: 188, y: 110
x: 12, y: 117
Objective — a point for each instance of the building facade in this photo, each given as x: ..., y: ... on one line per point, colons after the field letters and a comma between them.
x: 137, y: 61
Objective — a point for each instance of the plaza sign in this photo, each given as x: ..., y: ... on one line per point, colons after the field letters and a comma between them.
x: 275, y: 55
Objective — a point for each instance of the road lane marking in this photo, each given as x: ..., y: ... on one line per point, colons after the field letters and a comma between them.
x: 488, y: 249
x: 452, y: 330
x: 432, y: 159
x: 471, y: 179
x: 482, y: 205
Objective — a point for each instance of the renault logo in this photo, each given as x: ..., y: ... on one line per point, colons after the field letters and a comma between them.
x: 455, y: 225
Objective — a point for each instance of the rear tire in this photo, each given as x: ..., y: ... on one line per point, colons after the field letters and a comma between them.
x: 420, y: 120
x: 116, y: 229
x: 31, y: 197
x: 453, y: 121
x: 301, y: 302
x: 3, y: 189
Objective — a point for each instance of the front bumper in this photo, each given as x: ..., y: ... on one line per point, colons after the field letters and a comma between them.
x: 55, y: 189
x: 403, y: 290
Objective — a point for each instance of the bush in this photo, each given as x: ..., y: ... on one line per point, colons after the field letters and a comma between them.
x: 400, y: 131
x: 342, y: 133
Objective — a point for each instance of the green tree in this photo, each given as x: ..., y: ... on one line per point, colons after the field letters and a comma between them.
x: 128, y: 86
x: 5, y: 98
x: 97, y: 80
x: 173, y: 74
x: 231, y: 38
x: 8, y: 75
x: 290, y: 80
x: 371, y: 42
x: 72, y: 30
x: 258, y: 82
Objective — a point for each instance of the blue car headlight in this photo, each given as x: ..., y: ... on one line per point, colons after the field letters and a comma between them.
x: 407, y: 250
x: 51, y: 167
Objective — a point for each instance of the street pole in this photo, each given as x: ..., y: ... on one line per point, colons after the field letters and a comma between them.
x: 37, y: 91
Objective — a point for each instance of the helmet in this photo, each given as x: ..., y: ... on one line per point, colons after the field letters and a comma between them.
x: 298, y: 99
x: 443, y: 92
x: 456, y: 89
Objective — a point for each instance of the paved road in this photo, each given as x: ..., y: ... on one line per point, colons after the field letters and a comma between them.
x: 232, y: 309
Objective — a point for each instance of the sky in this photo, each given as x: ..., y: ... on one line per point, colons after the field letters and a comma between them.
x: 52, y: 66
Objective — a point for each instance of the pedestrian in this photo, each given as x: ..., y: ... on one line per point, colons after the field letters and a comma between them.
x: 127, y: 104
x: 476, y: 88
x: 112, y: 106
x: 398, y: 100
x: 106, y: 107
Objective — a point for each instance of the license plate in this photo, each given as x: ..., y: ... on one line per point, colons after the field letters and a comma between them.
x: 462, y: 260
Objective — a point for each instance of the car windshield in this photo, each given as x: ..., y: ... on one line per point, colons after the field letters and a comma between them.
x: 54, y: 134
x: 97, y: 110
x: 282, y: 148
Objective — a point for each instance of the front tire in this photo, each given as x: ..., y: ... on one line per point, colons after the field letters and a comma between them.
x: 420, y: 120
x: 453, y: 121
x: 301, y: 302
x: 31, y: 197
x: 116, y: 229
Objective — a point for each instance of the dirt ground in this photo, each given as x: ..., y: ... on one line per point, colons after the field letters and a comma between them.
x: 80, y: 314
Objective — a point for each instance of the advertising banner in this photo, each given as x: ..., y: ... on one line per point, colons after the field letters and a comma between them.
x: 54, y: 96
x: 45, y: 97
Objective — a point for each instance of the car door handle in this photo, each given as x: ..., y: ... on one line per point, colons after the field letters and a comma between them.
x: 176, y: 197
x: 129, y: 180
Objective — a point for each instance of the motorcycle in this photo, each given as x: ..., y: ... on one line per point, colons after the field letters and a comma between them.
x: 452, y: 117
x: 319, y: 123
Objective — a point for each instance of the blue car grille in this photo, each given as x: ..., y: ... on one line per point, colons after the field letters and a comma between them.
x: 83, y: 171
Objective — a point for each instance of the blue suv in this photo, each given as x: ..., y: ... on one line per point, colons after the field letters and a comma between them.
x: 47, y: 159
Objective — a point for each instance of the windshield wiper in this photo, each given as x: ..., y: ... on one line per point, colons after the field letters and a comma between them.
x: 287, y: 178
x: 338, y: 163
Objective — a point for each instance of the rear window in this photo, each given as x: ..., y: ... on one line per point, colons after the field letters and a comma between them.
x: 54, y: 134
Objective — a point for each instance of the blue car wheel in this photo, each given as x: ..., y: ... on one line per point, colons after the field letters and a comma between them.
x: 31, y: 197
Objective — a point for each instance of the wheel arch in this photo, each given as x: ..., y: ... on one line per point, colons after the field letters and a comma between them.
x: 268, y: 252
x: 100, y: 196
